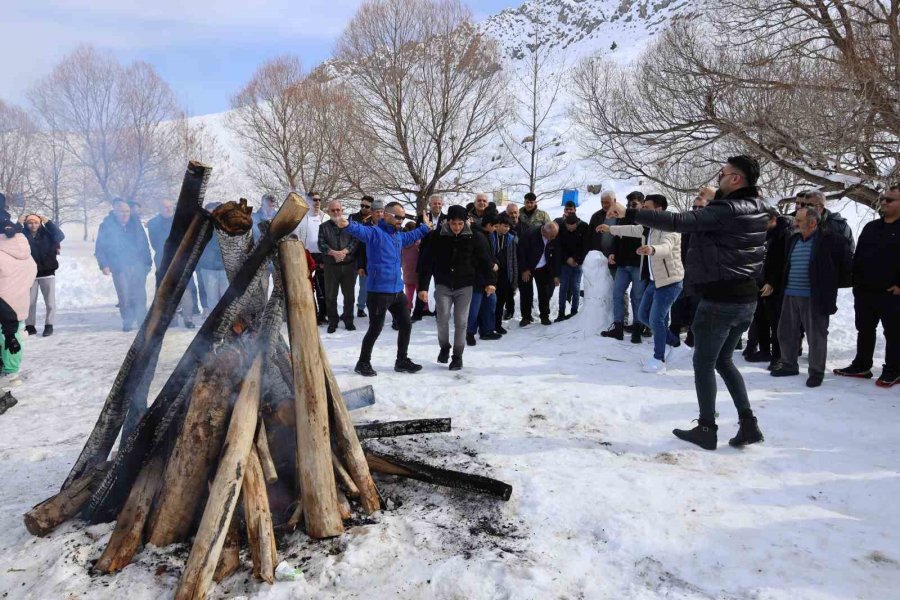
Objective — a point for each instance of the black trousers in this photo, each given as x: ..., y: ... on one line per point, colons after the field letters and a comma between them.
x: 343, y: 277
x: 763, y: 332
x: 505, y: 294
x: 870, y: 308
x: 379, y: 304
x: 319, y: 278
x: 543, y: 279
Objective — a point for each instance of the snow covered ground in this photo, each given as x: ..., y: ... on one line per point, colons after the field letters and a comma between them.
x: 606, y: 502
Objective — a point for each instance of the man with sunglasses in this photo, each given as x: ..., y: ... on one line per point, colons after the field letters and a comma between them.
x: 338, y: 250
x: 384, y: 243
x: 876, y: 292
x: 831, y: 221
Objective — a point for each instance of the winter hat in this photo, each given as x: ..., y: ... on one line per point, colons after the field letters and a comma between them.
x: 377, y: 204
x: 747, y: 165
x: 457, y: 213
x: 571, y: 219
x: 489, y: 219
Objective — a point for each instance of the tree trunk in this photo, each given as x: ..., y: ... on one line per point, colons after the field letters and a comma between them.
x: 128, y: 535
x: 226, y: 488
x: 314, y: 470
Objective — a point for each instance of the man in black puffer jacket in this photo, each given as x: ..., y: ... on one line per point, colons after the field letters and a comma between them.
x: 44, y: 238
x: 456, y: 256
x: 724, y: 264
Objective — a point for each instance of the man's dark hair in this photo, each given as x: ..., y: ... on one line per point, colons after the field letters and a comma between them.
x: 489, y: 219
x: 504, y: 219
x: 635, y: 195
x: 392, y: 204
x: 570, y: 204
x: 530, y: 196
x: 802, y: 194
x: 369, y: 199
x: 747, y: 165
x: 658, y: 200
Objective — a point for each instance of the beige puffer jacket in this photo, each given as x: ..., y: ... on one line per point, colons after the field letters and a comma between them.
x: 666, y: 258
x: 17, y: 273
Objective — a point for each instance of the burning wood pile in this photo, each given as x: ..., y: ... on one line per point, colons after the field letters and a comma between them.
x: 249, y: 433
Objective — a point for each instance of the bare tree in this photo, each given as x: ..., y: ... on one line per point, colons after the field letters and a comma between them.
x: 812, y: 87
x: 17, y: 136
x: 431, y: 93
x: 53, y: 188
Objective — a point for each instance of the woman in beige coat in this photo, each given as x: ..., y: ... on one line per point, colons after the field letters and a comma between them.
x: 17, y: 273
x: 661, y: 262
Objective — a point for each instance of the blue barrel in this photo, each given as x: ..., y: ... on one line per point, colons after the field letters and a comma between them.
x: 570, y: 195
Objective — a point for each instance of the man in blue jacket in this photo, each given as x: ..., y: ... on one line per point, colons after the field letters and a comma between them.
x: 385, y: 294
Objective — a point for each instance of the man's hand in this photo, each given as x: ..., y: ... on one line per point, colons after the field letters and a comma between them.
x: 556, y: 282
x: 338, y: 255
x: 603, y: 228
x: 489, y: 289
x: 616, y: 211
x: 766, y: 291
x: 341, y: 222
x: 611, y: 260
x: 894, y: 289
x: 426, y: 218
x: 646, y: 250
x: 105, y: 270
x: 423, y: 296
x: 526, y: 276
x: 571, y: 262
x: 361, y: 272
x: 496, y: 267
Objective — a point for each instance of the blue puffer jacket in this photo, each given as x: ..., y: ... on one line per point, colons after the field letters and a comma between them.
x: 383, y: 245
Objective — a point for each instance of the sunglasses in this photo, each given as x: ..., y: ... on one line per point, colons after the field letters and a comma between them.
x: 365, y: 206
x: 317, y: 199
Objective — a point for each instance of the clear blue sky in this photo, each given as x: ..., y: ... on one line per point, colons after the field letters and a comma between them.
x: 205, y: 51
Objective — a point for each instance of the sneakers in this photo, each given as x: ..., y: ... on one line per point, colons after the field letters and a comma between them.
x: 615, y: 331
x: 404, y: 365
x: 10, y: 380
x: 444, y: 355
x: 30, y: 329
x: 782, y: 370
x: 889, y: 377
x: 854, y: 371
x: 332, y: 327
x: 365, y: 369
x: 654, y: 365
x: 814, y: 381
x: 456, y: 363
x: 525, y: 322
x: 546, y: 321
x: 48, y: 331
x: 499, y: 329
x: 703, y: 435
x: 360, y: 313
x: 748, y: 433
x: 470, y: 339
x: 491, y: 336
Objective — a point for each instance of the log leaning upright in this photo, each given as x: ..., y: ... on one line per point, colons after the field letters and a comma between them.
x: 315, y: 472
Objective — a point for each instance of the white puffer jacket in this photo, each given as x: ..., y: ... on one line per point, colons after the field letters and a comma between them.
x: 666, y: 258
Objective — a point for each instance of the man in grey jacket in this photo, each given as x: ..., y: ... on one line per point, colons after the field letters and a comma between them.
x: 338, y: 251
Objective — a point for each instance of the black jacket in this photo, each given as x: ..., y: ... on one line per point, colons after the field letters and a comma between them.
x: 830, y: 268
x: 839, y: 225
x: 776, y: 246
x: 332, y: 237
x: 625, y: 247
x: 603, y: 242
x: 45, y: 248
x: 876, y: 262
x: 531, y: 247
x: 574, y: 244
x: 361, y: 259
x: 455, y: 261
x: 728, y: 244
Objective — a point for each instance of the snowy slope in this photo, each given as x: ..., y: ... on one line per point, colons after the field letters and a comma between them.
x: 606, y: 502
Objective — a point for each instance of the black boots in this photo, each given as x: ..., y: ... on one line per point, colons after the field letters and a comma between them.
x: 404, y: 365
x: 444, y: 355
x: 332, y: 327
x: 704, y: 434
x: 456, y: 363
x: 30, y: 330
x: 636, y: 334
x: 48, y: 331
x: 615, y: 331
x: 364, y: 368
x: 748, y: 432
x: 854, y: 371
x: 470, y: 339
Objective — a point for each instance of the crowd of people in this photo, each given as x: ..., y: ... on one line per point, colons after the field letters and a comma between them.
x: 731, y: 265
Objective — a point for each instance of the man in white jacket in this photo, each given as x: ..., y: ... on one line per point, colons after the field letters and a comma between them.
x: 661, y: 264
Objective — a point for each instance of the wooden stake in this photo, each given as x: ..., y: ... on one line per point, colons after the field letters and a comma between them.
x: 197, y: 448
x: 315, y: 473
x: 225, y: 490
x: 343, y: 477
x: 43, y: 518
x: 128, y: 534
x: 260, y: 533
x: 265, y: 456
x: 393, y: 465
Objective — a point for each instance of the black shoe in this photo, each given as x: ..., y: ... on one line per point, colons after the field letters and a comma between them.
x: 360, y: 313
x: 636, y: 336
x: 854, y: 371
x: 758, y: 357
x: 615, y: 331
x: 889, y: 377
x: 814, y: 381
x: 348, y: 325
x: 645, y: 332
x: 748, y: 351
x: 415, y: 318
x: 189, y: 325
x: 30, y: 329
x: 428, y: 313
x: 572, y: 314
x: 546, y: 321
x: 48, y: 331
x: 748, y: 433
x: 499, y: 329
x: 525, y: 322
x: 689, y: 339
x: 395, y: 326
x: 508, y: 315
x: 332, y: 327
x: 491, y: 336
x: 773, y: 365
x: 444, y: 355
x: 470, y: 339
x: 631, y: 328
x: 321, y: 319
x: 404, y: 365
x: 704, y: 435
x: 456, y: 363
x: 781, y: 370
x: 365, y: 369
x: 560, y: 317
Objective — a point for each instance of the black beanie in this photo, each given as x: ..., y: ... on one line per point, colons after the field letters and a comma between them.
x: 457, y: 213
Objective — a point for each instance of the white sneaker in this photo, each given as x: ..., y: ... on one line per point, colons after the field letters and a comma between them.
x: 653, y: 365
x: 10, y: 380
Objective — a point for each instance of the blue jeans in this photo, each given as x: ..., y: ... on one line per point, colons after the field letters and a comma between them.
x: 624, y: 276
x: 361, y: 297
x: 569, y: 287
x: 717, y: 328
x: 481, y: 313
x: 654, y: 313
